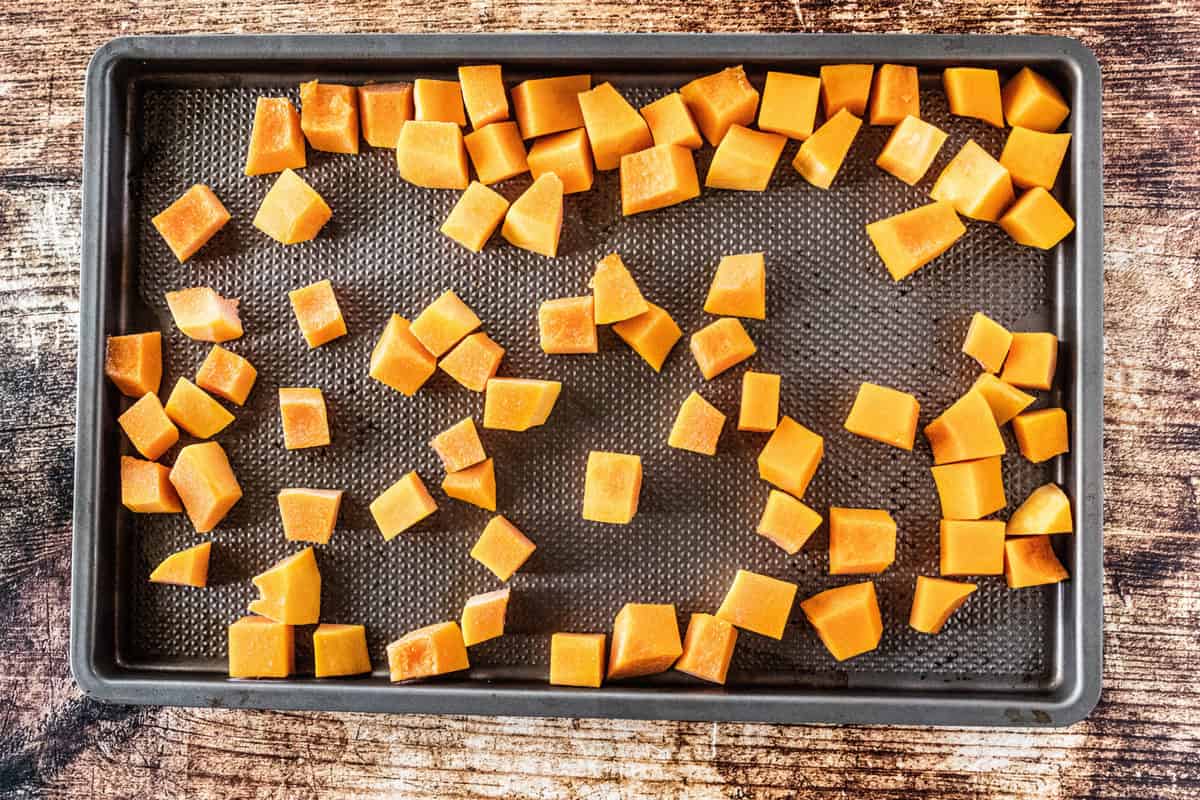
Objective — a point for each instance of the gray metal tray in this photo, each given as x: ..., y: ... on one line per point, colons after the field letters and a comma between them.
x: 164, y: 113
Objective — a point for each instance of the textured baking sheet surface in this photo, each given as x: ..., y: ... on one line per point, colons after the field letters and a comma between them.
x: 834, y: 319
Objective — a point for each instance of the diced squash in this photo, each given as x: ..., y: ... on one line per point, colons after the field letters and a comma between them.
x: 426, y: 652
x: 475, y: 485
x: 205, y: 483
x: 821, y: 155
x: 443, y: 323
x: 399, y: 360
x: 895, y: 95
x: 146, y: 487
x: 187, y: 224
x: 577, y: 659
x: 972, y: 547
x: 1046, y: 510
x: 309, y: 515
x: 227, y: 375
x: 611, y: 488
x: 534, y: 220
x: 846, y: 86
x: 787, y: 522
x: 758, y: 603
x: 261, y: 648
x: 568, y: 325
x: 910, y: 240
x: 473, y: 361
x: 739, y: 287
x: 1030, y: 561
x: 317, y: 312
x: 707, y: 648
x: 651, y: 335
x: 483, y: 94
x: 790, y: 457
x: 305, y: 420
x: 432, y: 154
x: 340, y: 650
x: 1006, y: 401
x: 518, y: 404
x: 276, y: 140
x: 719, y: 100
x: 861, y: 540
x: 977, y: 185
x: 497, y: 152
x: 1031, y: 101
x: 885, y: 415
x: 966, y: 430
x: 1042, y: 434
x: 458, y: 446
x: 402, y: 505
x: 789, y: 104
x: 186, y: 568
x: 194, y: 410
x: 910, y: 149
x: 657, y: 177
x: 697, y: 426
x: 290, y: 591
x: 987, y: 342
x: 292, y: 211
x: 617, y: 295
x: 148, y: 427
x: 671, y: 123
x: 204, y: 315
x: 645, y: 640
x: 134, y: 362
x: 760, y: 402
x: 614, y: 127
x: 483, y: 616
x: 383, y: 108
x: 1032, y: 360
x: 721, y: 345
x: 1034, y: 158
x: 549, y: 105
x: 974, y: 92
x: 1037, y: 220
x: 568, y: 155
x: 970, y: 489
x: 438, y: 101
x: 502, y: 548
x: 934, y: 600
x: 846, y: 618
x: 744, y: 160
x: 329, y: 116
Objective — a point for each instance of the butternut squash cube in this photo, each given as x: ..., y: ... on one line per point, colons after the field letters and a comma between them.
x: 534, y: 220
x: 204, y: 315
x: 577, y: 659
x: 1046, y: 510
x: 329, y: 116
x: 399, y: 360
x: 1005, y: 401
x: 432, y: 155
x: 651, y: 335
x: 1030, y: 561
x: 502, y: 548
x: 134, y: 362
x: 340, y: 650
x: 789, y: 104
x: 568, y: 155
x: 966, y: 430
x: 1031, y: 101
x: 670, y: 122
x: 276, y: 140
x: 290, y: 591
x: 987, y: 342
x: 697, y: 426
x: 497, y: 152
x: 787, y: 522
x: 977, y: 185
x: 433, y: 650
x: 910, y: 149
x: 309, y: 515
x: 745, y: 160
x: 657, y: 177
x: 383, y: 108
x: 790, y: 457
x: 721, y: 345
x: 261, y: 648
x: 227, y: 375
x: 885, y: 415
x: 895, y: 95
x: 1042, y: 434
x: 458, y: 446
x: 611, y: 488
x: 473, y: 361
x: 305, y: 421
x: 292, y: 211
x: 645, y: 640
x: 970, y: 489
x: 1034, y: 158
x: 861, y: 540
x: 194, y: 410
x: 148, y: 427
x: 549, y: 105
x: 760, y: 402
x: 910, y: 240
x: 739, y: 287
x: 205, y: 483
x: 483, y: 94
x: 617, y: 296
x: 438, y: 101
x: 518, y: 404
x: 846, y: 86
x: 972, y: 547
x: 568, y: 325
x: 475, y: 485
x: 1032, y: 360
x: 614, y: 127
x: 934, y: 600
x: 443, y: 323
x: 1037, y: 220
x: 974, y: 92
x: 146, y: 487
x: 821, y: 155
x: 475, y: 216
x: 187, y: 224
x: 707, y: 648
x: 483, y: 616
x: 186, y: 568
x: 846, y: 618
x: 758, y: 603
x: 316, y: 309
x: 402, y: 505
x: 720, y: 100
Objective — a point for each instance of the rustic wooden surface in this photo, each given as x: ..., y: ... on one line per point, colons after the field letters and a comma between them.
x: 1142, y: 740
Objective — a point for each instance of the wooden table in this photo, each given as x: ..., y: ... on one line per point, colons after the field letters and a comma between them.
x: 1142, y: 741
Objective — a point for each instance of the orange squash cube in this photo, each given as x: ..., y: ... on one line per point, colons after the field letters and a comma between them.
x: 186, y: 568
x: 187, y: 224
x: 885, y: 415
x: 317, y: 311
x: 645, y: 640
x: 697, y: 426
x: 721, y: 345
x: 934, y: 600
x: 292, y: 211
x: 458, y: 446
x: 791, y: 456
x: 739, y: 287
x: 670, y: 122
x: 861, y: 540
x: 977, y: 185
x: 432, y: 155
x: 910, y: 240
x: 340, y: 650
x: 1037, y: 220
x: 910, y: 149
x: 534, y: 220
x: 290, y: 591
x: 1046, y: 510
x: 1005, y: 401
x: 134, y: 362
x: 261, y: 648
x: 1030, y: 561
x: 204, y: 315
x: 205, y: 483
x: 402, y: 505
x: 1032, y: 360
x: 966, y: 430
x: 660, y: 176
x: 1031, y: 101
x: 433, y: 650
x: 760, y: 402
x: 276, y: 140
x: 970, y: 489
x: 1034, y: 158
x: 787, y: 522
x: 518, y: 404
x: 567, y: 325
x: 987, y: 342
x: 846, y: 618
x: 719, y: 100
x: 475, y: 216
x: 329, y: 116
x: 383, y: 108
x: 789, y: 104
x: 483, y: 94
x: 502, y: 548
x: 497, y: 152
x: 443, y: 323
x: 974, y: 92
x: 399, y: 360
x: 483, y: 616
x: 549, y: 105
x: 148, y: 427
x: 707, y: 648
x: 846, y: 86
x: 758, y: 603
x: 475, y: 485
x: 972, y: 547
x: 146, y: 487
x: 651, y: 335
x: 614, y: 127
x: 438, y: 101
x: 568, y: 155
x: 895, y: 95
x: 194, y: 410
x: 473, y: 361
x: 305, y: 420
x: 577, y: 659
x: 744, y: 160
x: 617, y: 296
x: 309, y: 515
x: 611, y: 488
x: 821, y: 155
x: 1042, y: 434
x: 227, y: 375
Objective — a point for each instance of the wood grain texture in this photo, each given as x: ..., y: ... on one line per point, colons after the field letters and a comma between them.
x: 1142, y: 741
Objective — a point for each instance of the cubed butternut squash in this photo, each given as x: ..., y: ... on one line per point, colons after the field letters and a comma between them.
x: 1005, y: 400
x: 276, y: 140
x: 787, y: 522
x: 934, y: 600
x: 744, y: 160
x: 1031, y: 101
x: 483, y: 94
x: 568, y: 155
x: 977, y: 185
x: 438, y: 101
x: 966, y: 430
x: 443, y: 323
x: 1046, y: 510
x: 261, y: 648
x: 483, y: 616
x: 577, y: 659
x: 885, y: 415
x: 821, y: 155
x: 432, y: 154
x: 719, y: 100
x: 290, y: 591
x: 1030, y: 561
x: 970, y: 489
x: 194, y: 410
x: 473, y: 361
x: 789, y: 104
x: 133, y: 362
x: 1037, y: 220
x: 861, y: 540
x: 340, y: 650
x: 971, y: 547
x: 974, y: 92
x: 987, y: 342
x: 1034, y: 158
x: 148, y: 427
x: 402, y: 505
x: 329, y: 116
x: 458, y: 446
x: 567, y: 325
x: 697, y: 426
x: 186, y: 568
x: 317, y: 312
x: 910, y: 240
x: 612, y: 486
x: 910, y: 149
x: 707, y: 648
x: 895, y: 95
x: 846, y: 618
x: 205, y: 483
x: 739, y: 287
x: 1032, y: 360
x: 760, y: 402
x: 671, y: 123
x: 383, y: 108
x: 227, y: 375
x: 645, y: 640
x: 617, y: 296
x: 721, y: 345
x: 497, y: 152
x: 518, y: 404
x: 549, y: 105
x: 614, y: 127
x: 1042, y: 434
x: 651, y: 334
x: 202, y: 314
x: 534, y: 220
x: 660, y: 176
x: 426, y: 652
x: 304, y: 416
x: 399, y: 360
x: 502, y: 548
x: 146, y: 487
x: 790, y: 457
x: 846, y: 86
x: 292, y: 211
x: 309, y: 515
x: 187, y: 224
x: 475, y: 485
x: 758, y: 603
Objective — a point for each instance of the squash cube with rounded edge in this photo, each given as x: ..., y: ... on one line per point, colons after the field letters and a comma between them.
x: 791, y: 456
x: 534, y: 220
x: 227, y: 375
x: 910, y: 149
x: 1031, y: 101
x: 205, y: 483
x: 745, y: 160
x: 473, y: 361
x: 187, y: 224
x: 146, y: 487
x: 787, y: 522
x: 309, y: 515
x: 329, y: 116
x: 934, y: 600
x: 202, y: 314
x: 577, y: 659
x: 697, y: 426
x: 292, y: 211
x: 974, y: 92
x: 186, y: 568
x: 433, y: 650
x: 657, y: 177
x: 133, y: 362
x: 972, y: 547
x: 861, y: 540
x: 885, y: 415
x: 276, y: 140
x: 518, y: 404
x: 290, y: 591
x: 910, y: 240
x: 846, y: 618
x: 821, y: 155
x: 261, y: 648
x: 970, y: 489
x: 432, y: 155
x: 402, y: 505
x: 340, y: 650
x: 483, y: 616
x: 977, y: 185
x: 317, y: 312
x: 150, y: 430
x: 1030, y: 561
x: 399, y: 360
x: 720, y: 100
x: 652, y: 335
x: 707, y: 648
x: 1046, y: 510
x: 739, y: 287
x: 612, y: 487
x: 483, y: 94
x: 383, y: 108
x: 758, y: 603
x: 966, y: 430
x: 645, y: 640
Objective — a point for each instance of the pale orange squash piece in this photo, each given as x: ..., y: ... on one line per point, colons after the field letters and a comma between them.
x: 787, y: 522
x: 821, y: 155
x: 402, y: 505
x: 1005, y: 400
x: 612, y: 487
x: 719, y: 100
x: 534, y: 220
x: 340, y: 650
x: 329, y: 116
x: 304, y: 416
x: 744, y: 160
x: 399, y: 360
x: 483, y: 616
x: 475, y: 485
x: 497, y: 152
x: 974, y: 92
x: 790, y: 457
x: 227, y: 375
x: 1046, y: 510
x: 972, y: 547
x: 186, y: 568
x: 1031, y: 101
x: 1037, y: 220
x: 518, y: 404
x: 458, y: 446
x: 276, y: 140
x: 977, y: 185
x: 567, y: 325
x: 910, y: 240
x: 970, y: 489
x: 577, y: 659
x: 205, y: 483
x: 861, y: 540
x: 1042, y: 434
x: 549, y: 105
x: 290, y: 591
x: 309, y: 515
x: 187, y: 224
x: 614, y: 127
x: 475, y: 217
x: 966, y: 430
x: 697, y: 426
x: 1034, y: 158
x: 645, y: 640
x: 739, y: 287
x: 885, y: 415
x: 148, y: 427
x: 670, y: 122
x: 433, y: 650
x: 317, y: 312
x: 617, y: 296
x: 432, y: 154
x: 1030, y: 561
x: 146, y: 487
x: 261, y: 648
x: 483, y: 94
x: 502, y: 548
x: 133, y: 362
x: 760, y: 402
x: 194, y: 410
x: 657, y: 177
x: 383, y: 108
x: 652, y: 335
x: 473, y: 361
x: 721, y: 345
x: 438, y: 101
x: 910, y: 149
x: 707, y: 648
x: 987, y: 342
x: 934, y: 600
x: 846, y: 618
x: 895, y: 95
x: 568, y: 155
x: 1032, y: 361
x: 846, y: 86
x: 292, y: 211
x: 204, y: 315
x: 758, y: 603
x: 789, y: 104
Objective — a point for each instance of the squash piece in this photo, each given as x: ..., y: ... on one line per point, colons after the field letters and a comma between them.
x: 657, y: 177
x: 194, y: 410
x: 966, y: 430
x: 977, y: 185
x: 383, y: 108
x: 261, y: 648
x: 791, y: 456
x: 895, y: 95
x: 458, y: 446
x: 402, y: 505
x: 567, y: 325
x: 707, y: 648
x: 846, y: 86
x: 934, y: 600
x: 443, y: 323
x: 1030, y: 561
x: 473, y: 361
x: 758, y: 603
x: 1034, y: 158
x: 146, y: 487
x: 317, y: 312
x: 148, y: 427
x: 720, y: 100
x: 309, y: 515
x: 483, y: 616
x: 972, y: 547
x: 987, y: 342
x: 186, y: 568
x: 651, y: 335
x: 821, y: 155
x: 568, y: 155
x: 617, y: 295
x: 340, y: 650
x: 1032, y: 360
x: 432, y: 154
x: 1046, y: 510
x: 1042, y: 434
x: 276, y: 140
x: 497, y: 152
x: 789, y: 104
x: 697, y: 426
x: 483, y: 94
x: 910, y: 240
x: 670, y: 122
x: 760, y: 402
x: 292, y: 211
x: 787, y: 522
x: 204, y: 315
x: 1037, y: 220
x: 475, y: 485
x: 645, y: 640
x: 518, y: 404
x: 329, y: 116
x: 549, y: 105
x: 1005, y: 401
x: 885, y: 415
x: 305, y: 420
x: 1031, y: 101
x: 502, y: 548
x: 745, y: 160
x: 187, y: 224
x: 611, y: 488
x: 133, y: 362
x: 614, y: 128
x: 970, y: 489
x: 227, y: 375
x: 205, y: 483
x: 861, y: 540
x: 721, y: 345
x: 475, y: 216
x: 974, y: 92
x: 438, y: 101
x: 577, y: 659
x: 290, y: 591
x: 846, y: 618
x: 433, y: 650
x: 910, y: 149
x: 399, y: 360
x: 534, y: 220
x: 739, y: 287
